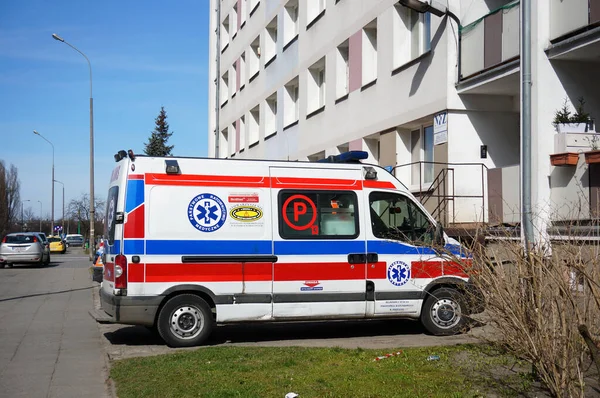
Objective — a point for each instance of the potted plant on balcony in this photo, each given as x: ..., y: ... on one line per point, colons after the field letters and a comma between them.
x: 593, y: 156
x: 565, y: 122
x: 564, y: 159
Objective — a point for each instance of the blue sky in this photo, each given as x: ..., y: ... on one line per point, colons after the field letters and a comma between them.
x: 144, y: 55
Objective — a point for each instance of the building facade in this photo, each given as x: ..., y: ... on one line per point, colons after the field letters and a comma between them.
x: 435, y: 100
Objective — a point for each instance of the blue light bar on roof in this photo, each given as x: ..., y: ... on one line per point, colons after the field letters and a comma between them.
x: 346, y: 157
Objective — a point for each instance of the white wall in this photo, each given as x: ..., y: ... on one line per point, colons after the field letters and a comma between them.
x: 467, y: 131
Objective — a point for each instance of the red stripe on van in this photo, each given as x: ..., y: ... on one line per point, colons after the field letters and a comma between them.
x: 426, y: 269
x: 378, y: 184
x: 315, y: 183
x: 135, y: 225
x: 377, y: 270
x: 257, y: 272
x: 207, y: 180
x: 252, y: 181
x: 135, y: 177
x: 434, y: 269
x: 317, y: 271
x: 135, y: 272
x: 208, y: 272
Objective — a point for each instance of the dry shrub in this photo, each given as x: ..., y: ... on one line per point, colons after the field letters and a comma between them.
x: 537, y: 304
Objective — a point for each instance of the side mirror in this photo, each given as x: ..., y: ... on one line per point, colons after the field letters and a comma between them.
x: 438, y: 239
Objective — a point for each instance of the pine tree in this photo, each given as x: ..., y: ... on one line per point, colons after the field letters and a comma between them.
x: 157, y: 142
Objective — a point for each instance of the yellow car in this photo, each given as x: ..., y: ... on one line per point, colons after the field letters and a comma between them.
x: 57, y: 245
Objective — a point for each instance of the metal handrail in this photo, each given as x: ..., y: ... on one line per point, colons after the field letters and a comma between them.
x: 443, y: 174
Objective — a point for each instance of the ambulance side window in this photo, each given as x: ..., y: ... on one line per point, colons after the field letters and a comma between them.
x: 318, y: 215
x: 111, y: 211
x: 397, y: 217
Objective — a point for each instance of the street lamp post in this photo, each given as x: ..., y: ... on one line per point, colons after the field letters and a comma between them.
x: 52, y: 209
x: 40, y: 202
x: 63, y: 205
x: 22, y: 217
x: 92, y: 210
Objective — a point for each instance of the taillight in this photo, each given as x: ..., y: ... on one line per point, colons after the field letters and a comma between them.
x: 4, y: 240
x: 120, y: 272
x: 34, y: 239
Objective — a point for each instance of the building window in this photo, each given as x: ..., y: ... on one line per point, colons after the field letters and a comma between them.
x: 411, y: 34
x: 242, y: 68
x: 369, y: 52
x: 232, y: 139
x: 271, y: 41
x: 314, y: 8
x: 225, y: 33
x: 315, y: 157
x: 290, y: 102
x: 233, y: 21
x: 316, y: 86
x: 224, y: 144
x: 421, y: 149
x: 271, y: 115
x: 254, y: 126
x: 290, y: 21
x: 318, y: 214
x: 253, y: 58
x: 253, y: 5
x: 342, y: 70
x: 243, y: 12
x: 233, y: 78
x: 224, y: 90
x: 242, y: 132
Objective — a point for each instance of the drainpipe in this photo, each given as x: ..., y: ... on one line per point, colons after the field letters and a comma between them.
x: 218, y: 77
x: 526, y: 216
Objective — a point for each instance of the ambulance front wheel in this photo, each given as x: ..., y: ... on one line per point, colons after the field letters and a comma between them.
x: 185, y: 321
x: 443, y: 313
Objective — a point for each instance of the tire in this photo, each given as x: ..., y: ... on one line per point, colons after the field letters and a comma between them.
x: 47, y: 262
x: 185, y: 321
x: 443, y: 313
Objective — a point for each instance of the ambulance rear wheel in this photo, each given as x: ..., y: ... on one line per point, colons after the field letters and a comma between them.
x: 443, y: 313
x: 185, y: 321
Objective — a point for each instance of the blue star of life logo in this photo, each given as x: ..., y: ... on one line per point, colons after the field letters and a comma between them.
x: 207, y: 212
x: 398, y: 273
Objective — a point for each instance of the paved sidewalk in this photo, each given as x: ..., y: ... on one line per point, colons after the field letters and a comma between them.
x: 49, y: 344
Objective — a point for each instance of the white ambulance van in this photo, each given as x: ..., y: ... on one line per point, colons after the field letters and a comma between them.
x: 193, y: 242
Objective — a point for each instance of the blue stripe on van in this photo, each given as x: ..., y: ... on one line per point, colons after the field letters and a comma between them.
x: 135, y: 194
x: 323, y: 247
x: 263, y: 247
x: 389, y: 247
x: 187, y: 247
x: 133, y: 246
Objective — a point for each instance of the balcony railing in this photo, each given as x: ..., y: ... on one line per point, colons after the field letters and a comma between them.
x: 570, y: 16
x: 490, y: 41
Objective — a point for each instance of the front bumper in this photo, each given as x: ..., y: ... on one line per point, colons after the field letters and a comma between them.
x: 130, y: 310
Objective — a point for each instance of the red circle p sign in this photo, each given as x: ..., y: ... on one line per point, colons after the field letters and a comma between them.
x: 298, y: 205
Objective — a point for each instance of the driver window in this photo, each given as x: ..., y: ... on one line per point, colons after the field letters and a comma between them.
x: 397, y: 217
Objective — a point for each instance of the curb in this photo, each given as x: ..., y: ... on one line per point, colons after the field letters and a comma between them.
x: 110, y: 384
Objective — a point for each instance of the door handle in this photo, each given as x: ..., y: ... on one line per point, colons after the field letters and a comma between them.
x: 357, y: 258
x: 372, y: 257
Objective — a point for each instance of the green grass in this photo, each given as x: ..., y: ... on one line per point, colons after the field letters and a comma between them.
x: 310, y: 372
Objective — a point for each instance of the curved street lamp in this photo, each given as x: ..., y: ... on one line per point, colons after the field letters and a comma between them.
x: 52, y: 211
x: 92, y: 210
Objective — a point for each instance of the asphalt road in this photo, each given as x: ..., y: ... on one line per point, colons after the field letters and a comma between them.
x: 49, y: 345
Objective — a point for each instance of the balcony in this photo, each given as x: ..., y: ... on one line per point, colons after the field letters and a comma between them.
x: 489, y: 52
x: 575, y: 30
x: 570, y: 17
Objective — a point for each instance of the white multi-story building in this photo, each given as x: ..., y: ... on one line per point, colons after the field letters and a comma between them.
x: 436, y: 100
